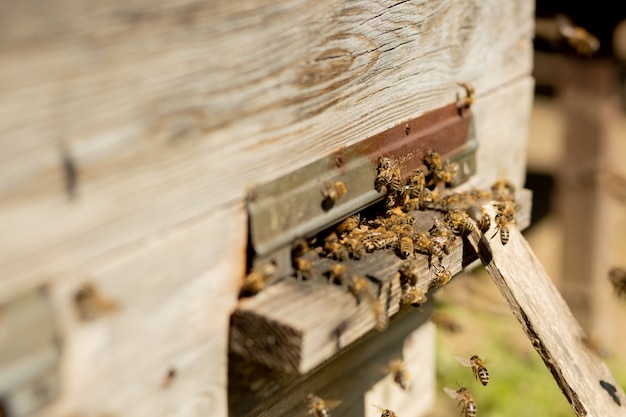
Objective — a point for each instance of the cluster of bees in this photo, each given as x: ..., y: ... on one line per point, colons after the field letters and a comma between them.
x: 321, y: 408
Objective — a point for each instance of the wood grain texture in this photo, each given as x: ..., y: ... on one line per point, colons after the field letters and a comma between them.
x: 164, y: 112
x: 296, y: 325
x: 585, y: 381
x: 173, y: 294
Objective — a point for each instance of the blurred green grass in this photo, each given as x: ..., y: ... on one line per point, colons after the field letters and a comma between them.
x: 520, y: 384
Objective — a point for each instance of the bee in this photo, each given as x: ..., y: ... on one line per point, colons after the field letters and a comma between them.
x: 409, y: 272
x: 303, y: 267
x: 415, y: 184
x: 448, y: 173
x: 504, y: 217
x: 384, y: 412
x: 388, y: 175
x: 319, y: 407
x: 331, y: 192
x: 459, y: 222
x: 468, y: 100
x: 399, y: 373
x: 445, y: 322
x: 617, y: 276
x: 405, y: 246
x: 503, y: 190
x: 478, y: 367
x: 441, y: 274
x: 380, y: 239
x: 583, y: 42
x: 412, y: 204
x: 336, y: 250
x: 90, y: 303
x: 442, y: 236
x: 414, y: 296
x: 379, y: 313
x: 432, y: 160
x: 480, y: 216
x: 465, y: 399
x: 356, y: 248
x: 258, y: 278
x: 430, y: 199
x: 338, y: 273
x: 348, y: 224
x: 360, y: 288
x: 424, y: 244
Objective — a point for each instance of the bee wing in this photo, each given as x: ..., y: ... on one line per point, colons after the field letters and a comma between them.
x: 463, y: 360
x: 451, y: 392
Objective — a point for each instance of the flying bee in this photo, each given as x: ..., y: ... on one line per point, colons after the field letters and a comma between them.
x: 339, y: 274
x: 399, y: 373
x: 414, y: 296
x: 480, y: 216
x: 468, y: 100
x: 356, y: 248
x: 405, y: 246
x: 424, y: 244
x: 348, y: 224
x: 478, y: 367
x: 384, y: 412
x: 459, y: 222
x: 319, y: 407
x: 617, y: 276
x: 445, y: 322
x: 409, y: 272
x: 441, y: 275
x: 465, y: 399
x: 331, y: 192
x: 577, y: 37
x: 503, y: 190
x: 258, y: 278
x: 415, y: 184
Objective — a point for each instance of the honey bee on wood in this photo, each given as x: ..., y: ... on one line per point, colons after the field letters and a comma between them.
x: 424, y: 244
x: 465, y: 399
x: 388, y: 175
x: 336, y: 250
x: 480, y: 216
x: 430, y: 199
x: 396, y: 216
x: 349, y: 224
x: 617, y: 276
x: 399, y: 373
x: 478, y: 367
x: 433, y: 161
x: 467, y: 101
x: 503, y: 190
x: 448, y: 173
x: 459, y: 222
x: 438, y: 170
x: 356, y: 248
x: 412, y: 204
x: 503, y: 219
x: 90, y: 303
x: 405, y: 246
x: 339, y: 274
x: 379, y: 239
x: 384, y: 412
x: 414, y: 296
x: 445, y: 322
x: 319, y: 407
x: 441, y: 275
x: 409, y: 272
x: 258, y: 278
x: 303, y: 267
x: 415, y: 184
x: 331, y: 192
x: 442, y: 236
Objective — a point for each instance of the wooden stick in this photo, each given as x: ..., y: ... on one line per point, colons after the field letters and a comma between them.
x: 584, y: 379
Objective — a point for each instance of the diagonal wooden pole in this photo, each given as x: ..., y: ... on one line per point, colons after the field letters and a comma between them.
x: 584, y: 379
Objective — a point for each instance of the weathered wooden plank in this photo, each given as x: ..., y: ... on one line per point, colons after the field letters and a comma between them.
x: 164, y: 112
x: 295, y: 326
x: 166, y: 340
x: 585, y: 381
x: 355, y: 377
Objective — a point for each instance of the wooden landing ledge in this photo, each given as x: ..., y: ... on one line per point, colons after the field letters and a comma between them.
x: 295, y: 326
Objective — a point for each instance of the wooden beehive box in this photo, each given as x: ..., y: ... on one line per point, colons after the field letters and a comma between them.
x: 133, y: 132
